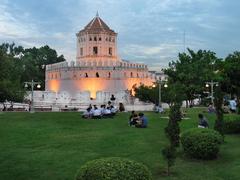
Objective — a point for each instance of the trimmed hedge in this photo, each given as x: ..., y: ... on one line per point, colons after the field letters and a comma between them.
x: 113, y: 168
x: 232, y: 127
x: 201, y: 143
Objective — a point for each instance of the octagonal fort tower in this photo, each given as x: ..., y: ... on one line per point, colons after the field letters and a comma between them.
x: 97, y: 68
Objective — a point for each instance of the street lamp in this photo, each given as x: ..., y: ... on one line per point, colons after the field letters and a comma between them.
x: 32, y: 84
x: 212, y: 83
x: 160, y: 82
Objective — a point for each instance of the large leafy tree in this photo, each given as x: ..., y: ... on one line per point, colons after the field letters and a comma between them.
x: 35, y: 60
x: 193, y: 70
x: 18, y: 65
x: 10, y: 73
x: 232, y: 73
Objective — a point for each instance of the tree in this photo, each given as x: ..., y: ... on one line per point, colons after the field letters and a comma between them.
x: 218, y: 101
x: 172, y: 131
x: 18, y: 65
x: 146, y: 93
x: 231, y: 71
x: 35, y: 60
x: 11, y: 87
x: 169, y: 155
x: 193, y: 70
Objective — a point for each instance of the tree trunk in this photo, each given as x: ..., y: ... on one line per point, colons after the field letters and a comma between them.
x: 168, y: 170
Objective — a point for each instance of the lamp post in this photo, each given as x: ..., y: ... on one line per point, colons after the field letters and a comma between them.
x: 32, y: 84
x: 160, y: 82
x: 212, y: 83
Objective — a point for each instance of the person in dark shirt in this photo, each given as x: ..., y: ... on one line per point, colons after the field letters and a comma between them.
x: 133, y: 118
x: 143, y: 121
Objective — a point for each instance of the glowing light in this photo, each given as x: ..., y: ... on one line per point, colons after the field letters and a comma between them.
x: 54, y: 85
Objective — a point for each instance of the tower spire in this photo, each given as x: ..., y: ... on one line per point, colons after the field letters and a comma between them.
x: 97, y: 15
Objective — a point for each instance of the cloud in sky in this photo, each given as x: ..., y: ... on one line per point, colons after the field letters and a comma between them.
x: 148, y: 31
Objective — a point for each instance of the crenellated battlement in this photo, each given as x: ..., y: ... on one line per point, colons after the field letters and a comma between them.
x: 95, y: 64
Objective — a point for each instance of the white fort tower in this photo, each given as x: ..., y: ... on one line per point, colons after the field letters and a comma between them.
x: 98, y: 71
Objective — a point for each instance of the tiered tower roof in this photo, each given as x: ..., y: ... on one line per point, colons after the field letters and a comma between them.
x: 97, y: 25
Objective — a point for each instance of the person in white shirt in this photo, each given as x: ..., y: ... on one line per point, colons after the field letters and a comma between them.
x: 232, y: 105
x: 97, y: 112
x: 107, y: 112
x: 113, y: 110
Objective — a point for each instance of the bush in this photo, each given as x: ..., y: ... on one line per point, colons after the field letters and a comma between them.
x: 113, y: 168
x: 232, y: 127
x: 201, y: 143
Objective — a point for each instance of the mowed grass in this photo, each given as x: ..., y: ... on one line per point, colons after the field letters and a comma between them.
x: 51, y: 146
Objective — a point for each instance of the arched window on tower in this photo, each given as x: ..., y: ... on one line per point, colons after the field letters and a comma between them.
x: 86, y: 75
x: 95, y: 38
x: 99, y: 38
x: 97, y: 75
x: 109, y: 75
x: 90, y: 39
x: 131, y: 75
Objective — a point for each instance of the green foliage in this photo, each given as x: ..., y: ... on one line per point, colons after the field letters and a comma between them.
x: 218, y: 102
x: 169, y: 154
x: 201, y: 143
x: 113, y: 168
x: 192, y: 70
x: 232, y: 127
x: 173, y: 130
x: 232, y: 73
x: 18, y: 65
x: 11, y: 87
x: 146, y: 93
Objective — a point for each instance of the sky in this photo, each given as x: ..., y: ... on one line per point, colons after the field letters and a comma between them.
x: 149, y: 31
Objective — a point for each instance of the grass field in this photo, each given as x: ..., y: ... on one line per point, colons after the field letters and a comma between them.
x: 51, y: 146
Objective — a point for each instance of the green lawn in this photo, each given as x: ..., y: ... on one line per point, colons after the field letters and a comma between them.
x: 51, y: 146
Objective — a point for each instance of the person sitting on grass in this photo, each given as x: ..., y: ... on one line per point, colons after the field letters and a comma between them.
x: 211, y: 108
x: 87, y: 114
x: 121, y: 107
x: 113, y: 110
x: 97, y: 113
x: 233, y: 105
x: 134, y: 120
x: 202, y: 122
x: 143, y: 122
x: 107, y: 112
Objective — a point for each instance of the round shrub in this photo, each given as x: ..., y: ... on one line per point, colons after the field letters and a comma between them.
x: 201, y: 143
x: 113, y: 168
x: 232, y: 127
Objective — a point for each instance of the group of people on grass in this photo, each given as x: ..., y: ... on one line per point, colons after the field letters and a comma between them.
x: 138, y: 120
x: 229, y: 106
x: 97, y: 113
